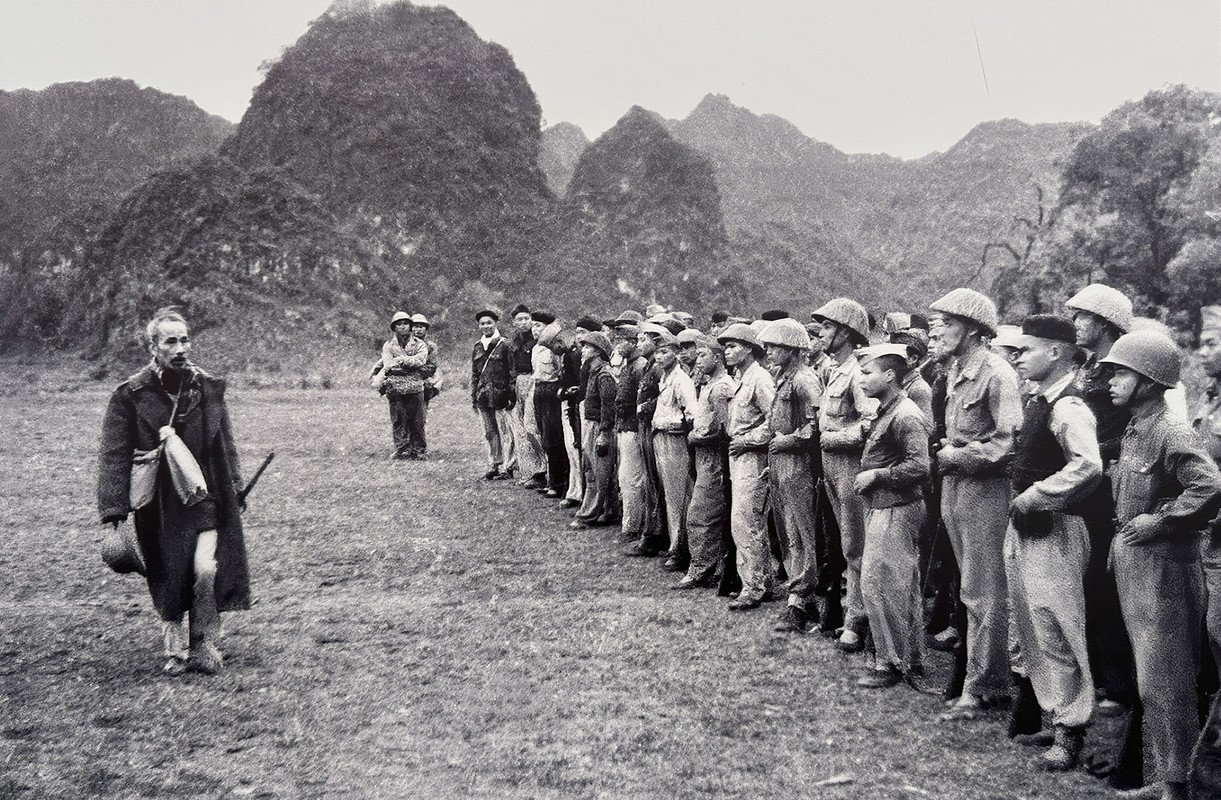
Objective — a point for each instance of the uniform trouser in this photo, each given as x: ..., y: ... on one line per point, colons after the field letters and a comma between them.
x: 589, y: 495
x: 749, y: 524
x: 975, y: 511
x: 600, y: 479
x: 656, y: 493
x: 706, y: 513
x: 890, y: 583
x: 639, y: 509
x: 572, y: 449
x: 839, y: 472
x: 1162, y: 597
x: 674, y: 471
x: 407, y: 423
x: 1106, y: 638
x: 400, y: 430
x: 527, y: 449
x: 549, y: 416
x: 498, y: 435
x: 1206, y: 761
x: 791, y: 489
x: 1047, y: 611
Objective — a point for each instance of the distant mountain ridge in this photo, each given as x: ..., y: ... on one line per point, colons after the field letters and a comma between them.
x: 807, y: 221
x: 391, y: 159
x: 68, y: 155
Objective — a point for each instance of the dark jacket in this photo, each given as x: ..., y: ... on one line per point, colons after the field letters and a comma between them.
x: 165, y: 527
x: 521, y: 343
x: 492, y: 381
x: 626, y: 393
x: 600, y: 390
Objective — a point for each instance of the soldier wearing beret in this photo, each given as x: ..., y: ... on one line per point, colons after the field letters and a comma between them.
x: 1056, y: 466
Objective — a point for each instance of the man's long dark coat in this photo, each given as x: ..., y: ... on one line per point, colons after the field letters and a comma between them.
x: 167, y: 530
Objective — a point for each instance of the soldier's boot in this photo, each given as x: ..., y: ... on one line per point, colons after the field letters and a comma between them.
x: 1066, y: 752
x: 833, y: 619
x: 205, y: 624
x: 1025, y: 716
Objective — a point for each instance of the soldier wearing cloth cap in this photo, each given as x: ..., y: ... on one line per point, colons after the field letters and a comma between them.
x: 793, y: 420
x: 983, y: 412
x: 672, y: 418
x: 1056, y: 466
x: 706, y: 512
x: 894, y: 471
x: 749, y: 434
x: 1166, y: 489
x: 493, y: 393
x: 843, y: 424
x: 1207, y: 424
x: 598, y: 449
x: 404, y: 360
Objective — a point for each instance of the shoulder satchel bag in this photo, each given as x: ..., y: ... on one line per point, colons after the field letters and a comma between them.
x: 144, y: 466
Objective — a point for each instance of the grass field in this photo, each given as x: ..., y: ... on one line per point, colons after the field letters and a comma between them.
x: 422, y: 633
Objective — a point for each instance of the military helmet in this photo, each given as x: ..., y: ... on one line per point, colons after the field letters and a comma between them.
x: 399, y: 316
x: 1150, y: 353
x: 420, y: 319
x: 849, y: 313
x: 970, y: 305
x: 1106, y: 302
x: 739, y: 332
x: 787, y: 333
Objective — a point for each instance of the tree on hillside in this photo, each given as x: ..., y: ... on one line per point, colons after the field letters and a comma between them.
x: 1123, y: 189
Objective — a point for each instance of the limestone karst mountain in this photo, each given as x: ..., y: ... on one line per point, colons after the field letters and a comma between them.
x: 68, y: 155
x: 813, y: 221
x: 388, y: 160
x: 560, y: 149
x: 642, y: 222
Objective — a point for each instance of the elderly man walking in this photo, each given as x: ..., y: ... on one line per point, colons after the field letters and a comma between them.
x: 193, y: 548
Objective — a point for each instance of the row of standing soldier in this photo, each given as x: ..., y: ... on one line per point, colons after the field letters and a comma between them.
x: 1024, y: 492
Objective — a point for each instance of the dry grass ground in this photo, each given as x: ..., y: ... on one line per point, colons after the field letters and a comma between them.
x: 422, y: 633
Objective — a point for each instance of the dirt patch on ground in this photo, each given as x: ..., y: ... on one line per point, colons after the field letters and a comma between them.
x: 421, y: 632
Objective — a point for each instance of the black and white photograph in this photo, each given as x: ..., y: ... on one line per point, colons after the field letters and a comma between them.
x: 588, y: 399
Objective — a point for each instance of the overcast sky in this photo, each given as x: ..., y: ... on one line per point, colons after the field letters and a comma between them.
x: 904, y: 77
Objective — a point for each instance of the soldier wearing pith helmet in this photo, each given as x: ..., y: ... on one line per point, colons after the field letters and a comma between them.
x: 982, y: 414
x: 843, y: 423
x: 793, y: 420
x: 1101, y: 314
x: 749, y: 434
x: 1166, y: 490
